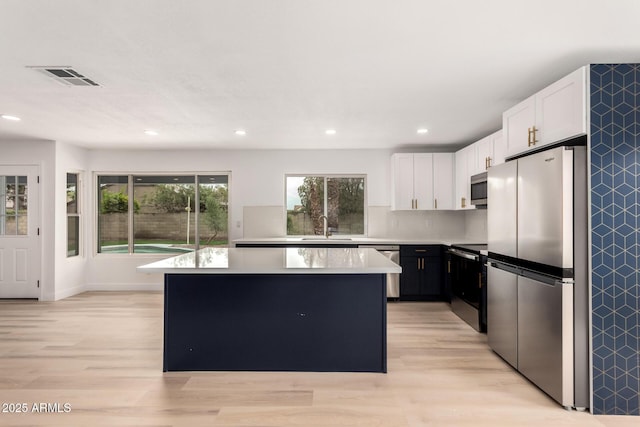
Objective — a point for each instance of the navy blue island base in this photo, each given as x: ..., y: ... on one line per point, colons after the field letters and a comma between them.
x: 275, y: 322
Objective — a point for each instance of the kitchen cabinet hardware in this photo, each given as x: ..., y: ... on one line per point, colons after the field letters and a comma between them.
x: 532, y: 136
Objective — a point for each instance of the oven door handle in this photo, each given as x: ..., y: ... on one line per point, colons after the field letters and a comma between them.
x: 462, y: 254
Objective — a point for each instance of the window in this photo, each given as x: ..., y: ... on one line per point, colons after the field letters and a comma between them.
x: 157, y: 213
x: 73, y: 215
x: 13, y: 205
x: 341, y: 199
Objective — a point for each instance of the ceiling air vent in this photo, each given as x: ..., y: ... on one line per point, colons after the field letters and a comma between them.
x: 66, y: 75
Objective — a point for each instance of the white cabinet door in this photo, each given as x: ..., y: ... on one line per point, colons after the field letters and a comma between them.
x: 464, y: 162
x: 402, y: 177
x: 423, y: 180
x: 499, y: 149
x: 443, y: 183
x: 556, y: 113
x: 484, y: 154
x: 516, y: 123
x: 561, y: 109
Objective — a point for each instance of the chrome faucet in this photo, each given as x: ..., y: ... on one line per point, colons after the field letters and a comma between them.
x: 325, y: 222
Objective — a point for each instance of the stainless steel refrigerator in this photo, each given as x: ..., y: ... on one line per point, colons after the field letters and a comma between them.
x: 537, y: 286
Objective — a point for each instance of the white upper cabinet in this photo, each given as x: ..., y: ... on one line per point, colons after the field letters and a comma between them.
x: 443, y: 181
x: 499, y: 149
x: 402, y: 197
x: 412, y: 186
x: 555, y: 113
x: 422, y: 181
x: 484, y: 154
x: 517, y: 123
x: 490, y: 151
x: 465, y: 162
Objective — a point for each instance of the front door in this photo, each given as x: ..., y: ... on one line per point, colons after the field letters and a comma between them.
x: 19, y: 241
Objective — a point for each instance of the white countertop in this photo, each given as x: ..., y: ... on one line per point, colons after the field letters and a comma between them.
x: 276, y: 261
x: 336, y: 240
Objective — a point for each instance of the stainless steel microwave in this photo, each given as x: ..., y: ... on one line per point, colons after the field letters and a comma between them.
x: 479, y: 190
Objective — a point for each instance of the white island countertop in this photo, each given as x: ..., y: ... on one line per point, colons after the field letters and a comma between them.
x: 275, y: 261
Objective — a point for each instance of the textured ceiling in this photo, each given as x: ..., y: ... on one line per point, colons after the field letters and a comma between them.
x: 286, y: 70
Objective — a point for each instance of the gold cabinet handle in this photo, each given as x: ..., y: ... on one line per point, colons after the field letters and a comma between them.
x: 480, y: 280
x: 449, y: 266
x: 423, y: 263
x: 416, y: 203
x: 489, y: 159
x: 463, y: 202
x: 532, y: 136
x: 418, y: 259
x: 421, y: 250
x: 436, y: 201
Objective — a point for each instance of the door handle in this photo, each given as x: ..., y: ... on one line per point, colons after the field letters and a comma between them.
x: 532, y: 136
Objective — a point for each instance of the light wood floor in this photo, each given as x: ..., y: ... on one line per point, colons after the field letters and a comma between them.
x: 102, y: 354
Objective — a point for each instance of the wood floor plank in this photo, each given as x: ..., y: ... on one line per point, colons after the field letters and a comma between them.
x: 101, y: 352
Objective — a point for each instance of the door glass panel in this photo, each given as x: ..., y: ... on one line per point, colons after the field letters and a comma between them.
x: 14, y: 206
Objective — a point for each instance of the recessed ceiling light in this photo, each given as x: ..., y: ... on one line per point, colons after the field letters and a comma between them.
x: 8, y: 117
x: 151, y: 132
x: 423, y: 131
x: 241, y: 132
x: 330, y: 131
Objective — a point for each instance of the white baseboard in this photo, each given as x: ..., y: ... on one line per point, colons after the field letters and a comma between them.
x: 69, y: 293
x: 124, y: 287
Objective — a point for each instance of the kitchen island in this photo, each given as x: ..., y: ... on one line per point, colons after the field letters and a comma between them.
x: 275, y: 309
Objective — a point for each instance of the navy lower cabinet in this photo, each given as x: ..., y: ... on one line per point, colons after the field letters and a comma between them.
x: 421, y: 278
x: 275, y: 322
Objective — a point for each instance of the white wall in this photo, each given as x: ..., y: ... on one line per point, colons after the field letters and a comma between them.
x: 41, y: 154
x: 70, y: 272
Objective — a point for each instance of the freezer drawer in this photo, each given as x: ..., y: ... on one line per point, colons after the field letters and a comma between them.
x: 502, y: 313
x: 545, y: 337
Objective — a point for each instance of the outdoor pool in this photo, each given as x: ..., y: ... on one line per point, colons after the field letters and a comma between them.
x: 145, y: 249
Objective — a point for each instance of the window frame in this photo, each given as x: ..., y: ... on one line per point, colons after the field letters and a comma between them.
x: 326, y: 176
x: 77, y: 214
x: 131, y: 212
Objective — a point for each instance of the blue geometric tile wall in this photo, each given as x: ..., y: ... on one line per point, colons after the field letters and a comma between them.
x: 615, y: 209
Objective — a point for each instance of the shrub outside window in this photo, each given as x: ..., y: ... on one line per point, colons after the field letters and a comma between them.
x: 339, y: 198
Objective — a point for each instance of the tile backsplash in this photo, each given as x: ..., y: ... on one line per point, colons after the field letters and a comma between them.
x: 268, y: 221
